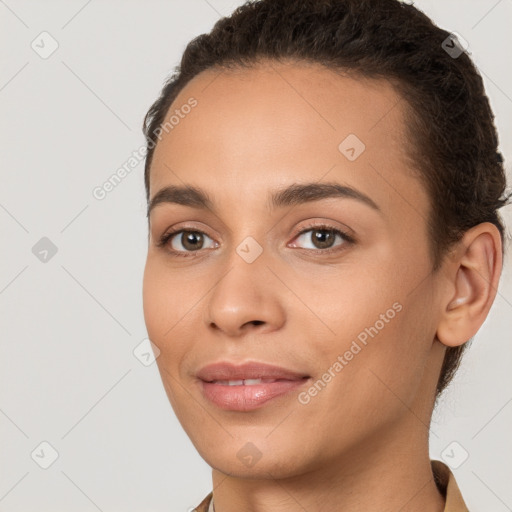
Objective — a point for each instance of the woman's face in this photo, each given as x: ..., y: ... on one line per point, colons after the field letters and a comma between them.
x: 334, y: 287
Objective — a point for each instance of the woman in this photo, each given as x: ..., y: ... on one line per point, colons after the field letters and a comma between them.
x: 323, y: 186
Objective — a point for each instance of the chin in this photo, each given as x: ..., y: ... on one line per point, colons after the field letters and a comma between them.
x: 257, y: 460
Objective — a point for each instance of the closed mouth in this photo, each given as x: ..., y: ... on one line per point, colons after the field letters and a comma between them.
x: 247, y: 382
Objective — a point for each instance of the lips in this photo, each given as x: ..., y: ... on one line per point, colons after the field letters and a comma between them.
x: 248, y: 386
x: 225, y: 371
x: 245, y: 382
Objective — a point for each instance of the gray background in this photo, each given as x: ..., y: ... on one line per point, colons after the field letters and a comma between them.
x: 70, y: 324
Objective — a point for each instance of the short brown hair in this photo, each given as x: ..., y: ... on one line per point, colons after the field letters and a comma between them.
x: 453, y: 139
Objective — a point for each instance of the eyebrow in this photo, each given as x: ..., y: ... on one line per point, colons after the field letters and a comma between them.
x: 297, y: 193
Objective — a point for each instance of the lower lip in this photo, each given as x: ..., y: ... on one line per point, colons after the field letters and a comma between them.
x: 247, y: 398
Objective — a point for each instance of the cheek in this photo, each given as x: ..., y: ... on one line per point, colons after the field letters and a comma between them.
x: 164, y: 305
x: 155, y: 302
x: 163, y: 308
x: 379, y: 334
x: 390, y: 363
x: 350, y: 306
x: 163, y: 294
x: 369, y: 381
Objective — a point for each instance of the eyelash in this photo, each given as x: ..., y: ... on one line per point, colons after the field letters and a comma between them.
x: 164, y: 239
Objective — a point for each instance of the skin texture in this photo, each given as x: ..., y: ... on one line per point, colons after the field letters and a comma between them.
x: 362, y: 442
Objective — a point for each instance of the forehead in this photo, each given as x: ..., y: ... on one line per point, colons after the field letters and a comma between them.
x: 275, y: 123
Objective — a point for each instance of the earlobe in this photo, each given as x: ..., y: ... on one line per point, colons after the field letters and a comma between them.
x: 473, y: 275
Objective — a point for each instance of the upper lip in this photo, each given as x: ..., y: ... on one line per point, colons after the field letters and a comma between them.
x: 225, y: 370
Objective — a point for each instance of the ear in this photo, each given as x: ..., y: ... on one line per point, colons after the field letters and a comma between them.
x: 473, y: 273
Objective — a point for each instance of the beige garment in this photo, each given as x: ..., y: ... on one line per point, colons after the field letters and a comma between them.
x: 442, y: 474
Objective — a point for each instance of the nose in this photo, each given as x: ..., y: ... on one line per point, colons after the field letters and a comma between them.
x: 247, y: 297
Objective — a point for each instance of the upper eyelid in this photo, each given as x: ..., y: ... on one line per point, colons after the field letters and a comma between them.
x: 324, y: 226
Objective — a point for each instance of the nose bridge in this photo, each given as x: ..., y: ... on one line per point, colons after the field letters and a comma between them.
x: 246, y: 291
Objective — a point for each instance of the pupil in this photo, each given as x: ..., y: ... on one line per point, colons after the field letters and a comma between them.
x: 323, y: 237
x: 191, y: 240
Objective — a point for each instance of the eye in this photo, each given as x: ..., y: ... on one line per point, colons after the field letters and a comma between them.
x: 323, y: 238
x: 183, y: 241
